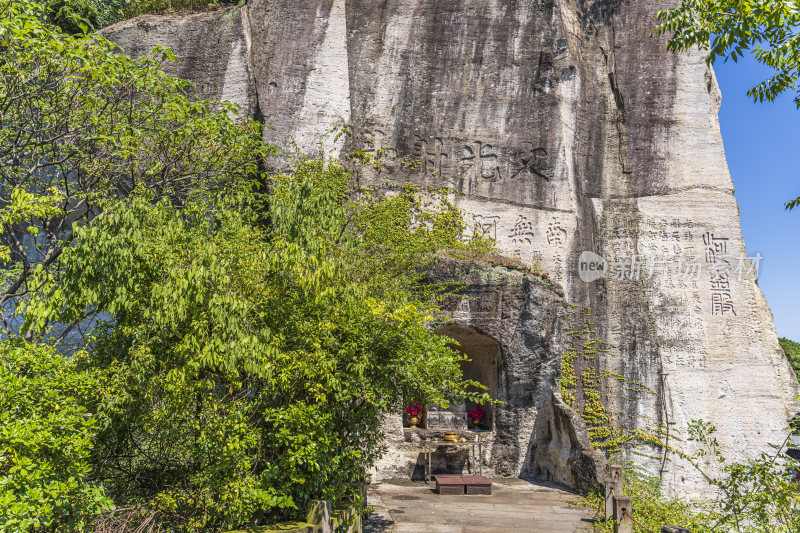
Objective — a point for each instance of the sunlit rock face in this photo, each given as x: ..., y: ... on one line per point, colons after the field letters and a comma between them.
x: 565, y: 127
x: 211, y: 48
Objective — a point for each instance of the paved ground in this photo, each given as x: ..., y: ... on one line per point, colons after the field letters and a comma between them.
x: 515, y: 505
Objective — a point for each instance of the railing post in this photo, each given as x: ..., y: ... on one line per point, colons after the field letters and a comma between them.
x: 674, y: 529
x: 613, y: 488
x: 319, y: 514
x: 622, y: 514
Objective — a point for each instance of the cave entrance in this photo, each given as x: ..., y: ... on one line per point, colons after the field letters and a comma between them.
x: 484, y: 367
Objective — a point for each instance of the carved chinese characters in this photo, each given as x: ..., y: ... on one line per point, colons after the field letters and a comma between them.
x: 719, y: 269
x: 470, y: 166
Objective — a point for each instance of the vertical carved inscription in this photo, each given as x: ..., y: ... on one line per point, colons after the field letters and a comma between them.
x: 522, y: 236
x: 719, y: 267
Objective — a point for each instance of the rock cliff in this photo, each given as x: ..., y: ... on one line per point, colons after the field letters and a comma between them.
x: 513, y: 328
x: 572, y: 136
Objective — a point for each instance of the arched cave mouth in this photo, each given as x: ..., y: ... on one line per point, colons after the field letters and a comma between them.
x: 484, y: 364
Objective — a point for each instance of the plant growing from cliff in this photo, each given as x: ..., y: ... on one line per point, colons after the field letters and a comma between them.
x: 754, y: 495
x: 581, y: 388
x: 650, y: 507
x: 585, y: 384
x: 769, y: 30
x: 82, y: 127
x: 125, y: 9
x: 757, y: 494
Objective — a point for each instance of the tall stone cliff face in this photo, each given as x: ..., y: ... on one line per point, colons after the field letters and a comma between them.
x: 567, y: 128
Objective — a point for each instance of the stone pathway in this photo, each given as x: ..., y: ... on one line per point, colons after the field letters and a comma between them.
x: 514, y: 506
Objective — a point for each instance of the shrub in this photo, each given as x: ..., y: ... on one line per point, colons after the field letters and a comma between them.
x: 48, y: 424
x: 758, y: 495
x: 650, y: 507
x: 132, y: 8
x: 79, y: 16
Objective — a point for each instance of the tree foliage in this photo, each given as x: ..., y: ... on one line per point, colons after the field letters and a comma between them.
x: 82, y: 127
x: 792, y: 350
x: 47, y: 430
x: 252, y: 358
x: 769, y: 30
x: 246, y: 333
x: 755, y: 495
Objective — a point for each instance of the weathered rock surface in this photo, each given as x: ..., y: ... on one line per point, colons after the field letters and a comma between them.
x: 212, y: 50
x: 568, y: 128
x: 533, y: 432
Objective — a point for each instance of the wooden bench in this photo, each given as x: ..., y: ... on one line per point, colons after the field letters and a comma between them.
x: 455, y: 484
x: 477, y: 484
x: 449, y: 484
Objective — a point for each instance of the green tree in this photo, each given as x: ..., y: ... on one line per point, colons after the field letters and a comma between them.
x: 82, y: 127
x: 253, y: 349
x: 769, y: 30
x: 244, y: 345
x: 792, y: 350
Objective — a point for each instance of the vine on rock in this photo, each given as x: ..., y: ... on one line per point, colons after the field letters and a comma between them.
x: 584, y: 380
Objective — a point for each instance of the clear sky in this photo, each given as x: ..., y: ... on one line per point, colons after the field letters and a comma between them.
x: 762, y: 144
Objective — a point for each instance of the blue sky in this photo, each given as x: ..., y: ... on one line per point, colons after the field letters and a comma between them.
x: 762, y: 144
